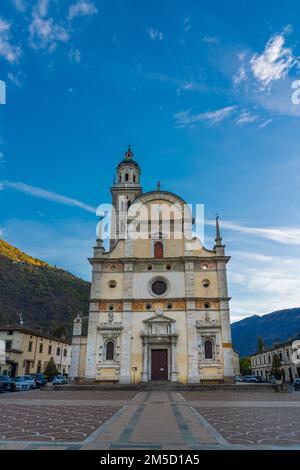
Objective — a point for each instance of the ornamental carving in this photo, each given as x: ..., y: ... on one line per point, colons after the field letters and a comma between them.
x: 207, y: 321
x: 152, y: 306
x: 200, y: 304
x: 159, y: 267
x: 112, y: 267
x: 138, y: 306
x: 179, y: 305
x: 104, y: 306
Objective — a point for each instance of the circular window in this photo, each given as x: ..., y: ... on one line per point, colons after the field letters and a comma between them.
x: 205, y: 283
x: 159, y: 286
x: 169, y: 306
x: 111, y: 307
x: 112, y: 284
x: 150, y: 267
x: 207, y: 305
x: 168, y: 267
x: 148, y: 306
x: 204, y: 266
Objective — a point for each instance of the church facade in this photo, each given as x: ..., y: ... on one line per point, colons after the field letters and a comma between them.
x: 159, y: 305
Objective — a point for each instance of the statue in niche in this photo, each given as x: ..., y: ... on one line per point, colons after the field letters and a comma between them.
x: 159, y: 311
x: 110, y: 317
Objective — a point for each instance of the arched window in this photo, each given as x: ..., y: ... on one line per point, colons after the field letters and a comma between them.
x: 126, y: 177
x: 208, y: 349
x: 110, y: 350
x: 133, y: 178
x: 158, y: 250
x: 120, y: 178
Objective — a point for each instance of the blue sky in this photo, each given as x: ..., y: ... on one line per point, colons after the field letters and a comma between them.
x: 202, y: 91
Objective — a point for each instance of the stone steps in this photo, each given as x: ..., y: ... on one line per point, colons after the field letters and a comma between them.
x: 174, y: 386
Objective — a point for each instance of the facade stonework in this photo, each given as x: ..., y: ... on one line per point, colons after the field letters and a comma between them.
x: 159, y: 311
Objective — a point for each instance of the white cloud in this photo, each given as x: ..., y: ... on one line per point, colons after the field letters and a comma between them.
x: 246, y: 117
x: 74, y: 55
x: 20, y: 5
x: 82, y: 8
x: 210, y: 39
x: 49, y: 195
x: 284, y: 235
x: 265, y: 123
x: 186, y: 24
x: 10, y: 52
x: 45, y: 33
x: 240, y: 76
x: 186, y: 119
x: 274, y: 63
x: 55, y: 243
x: 155, y: 35
x: 2, y: 161
x: 262, y: 283
x: 16, y: 78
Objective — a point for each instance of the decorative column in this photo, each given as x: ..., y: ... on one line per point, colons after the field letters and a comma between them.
x: 174, y: 373
x: 192, y: 344
x: 77, y: 330
x: 145, y: 359
x: 224, y: 307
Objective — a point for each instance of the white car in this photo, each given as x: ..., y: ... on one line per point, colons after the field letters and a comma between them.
x: 59, y: 380
x: 29, y: 380
x: 21, y: 384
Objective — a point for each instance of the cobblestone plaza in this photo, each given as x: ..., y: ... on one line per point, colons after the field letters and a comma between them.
x: 163, y: 420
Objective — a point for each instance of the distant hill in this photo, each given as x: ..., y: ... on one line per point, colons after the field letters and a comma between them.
x: 47, y: 297
x: 279, y: 325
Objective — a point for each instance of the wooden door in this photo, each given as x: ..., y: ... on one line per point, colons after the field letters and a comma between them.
x: 159, y: 364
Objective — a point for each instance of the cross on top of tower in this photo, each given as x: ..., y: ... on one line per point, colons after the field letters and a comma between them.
x: 129, y: 153
x: 158, y: 186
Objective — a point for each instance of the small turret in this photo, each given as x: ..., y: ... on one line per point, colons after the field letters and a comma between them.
x: 219, y: 247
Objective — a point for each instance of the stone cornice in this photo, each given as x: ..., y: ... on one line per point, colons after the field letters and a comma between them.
x: 226, y: 259
x: 163, y: 299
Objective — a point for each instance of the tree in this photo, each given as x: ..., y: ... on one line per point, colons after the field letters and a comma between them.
x: 276, y: 370
x: 260, y: 344
x: 50, y: 369
x: 60, y: 331
x: 245, y: 366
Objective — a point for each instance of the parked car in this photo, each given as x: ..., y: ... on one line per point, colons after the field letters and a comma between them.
x: 21, y: 384
x: 238, y: 378
x: 260, y: 380
x: 7, y: 384
x: 297, y: 384
x: 59, y: 380
x: 29, y: 380
x: 40, y: 378
x: 250, y: 379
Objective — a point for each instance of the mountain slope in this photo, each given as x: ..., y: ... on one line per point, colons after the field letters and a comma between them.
x: 277, y: 325
x: 47, y: 297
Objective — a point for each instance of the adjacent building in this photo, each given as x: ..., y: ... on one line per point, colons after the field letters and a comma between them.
x: 261, y: 363
x: 28, y: 351
x: 159, y: 308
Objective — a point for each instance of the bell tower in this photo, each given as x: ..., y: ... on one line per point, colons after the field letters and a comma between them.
x: 125, y: 189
